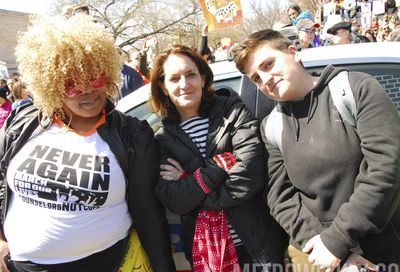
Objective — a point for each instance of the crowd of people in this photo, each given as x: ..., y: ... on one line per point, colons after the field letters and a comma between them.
x: 315, y: 31
x: 13, y: 93
x: 348, y: 29
x: 77, y: 175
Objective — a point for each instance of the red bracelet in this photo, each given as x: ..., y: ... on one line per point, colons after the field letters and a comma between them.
x: 184, y: 175
x: 200, y: 181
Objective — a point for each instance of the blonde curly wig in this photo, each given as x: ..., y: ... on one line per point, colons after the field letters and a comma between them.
x: 55, y: 49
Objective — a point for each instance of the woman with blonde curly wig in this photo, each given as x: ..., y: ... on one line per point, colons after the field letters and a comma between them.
x: 75, y: 173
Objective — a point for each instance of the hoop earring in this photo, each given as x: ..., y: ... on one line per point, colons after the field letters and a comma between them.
x: 44, y: 126
x: 114, y: 104
x: 69, y: 122
x: 113, y: 100
x: 61, y: 116
x: 40, y: 120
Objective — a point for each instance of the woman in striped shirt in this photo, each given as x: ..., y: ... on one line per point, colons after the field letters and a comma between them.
x: 212, y: 168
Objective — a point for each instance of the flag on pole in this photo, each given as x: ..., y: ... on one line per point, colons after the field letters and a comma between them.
x: 221, y: 14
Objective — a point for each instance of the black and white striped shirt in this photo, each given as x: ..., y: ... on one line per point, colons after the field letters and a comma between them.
x: 197, y: 130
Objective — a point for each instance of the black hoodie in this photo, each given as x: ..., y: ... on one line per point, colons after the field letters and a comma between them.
x: 335, y: 181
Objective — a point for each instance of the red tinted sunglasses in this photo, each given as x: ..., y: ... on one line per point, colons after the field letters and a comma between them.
x: 71, y: 90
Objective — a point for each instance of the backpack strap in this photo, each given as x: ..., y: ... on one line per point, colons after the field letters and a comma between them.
x: 343, y: 97
x: 274, y: 128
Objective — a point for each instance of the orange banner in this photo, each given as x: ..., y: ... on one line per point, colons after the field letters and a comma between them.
x: 222, y: 13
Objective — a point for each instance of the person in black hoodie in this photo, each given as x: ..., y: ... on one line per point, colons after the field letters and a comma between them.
x: 212, y: 168
x: 333, y: 188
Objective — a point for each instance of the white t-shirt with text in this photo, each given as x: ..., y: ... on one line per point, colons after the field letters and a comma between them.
x: 68, y: 198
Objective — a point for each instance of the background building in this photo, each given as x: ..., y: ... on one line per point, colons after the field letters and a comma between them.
x: 12, y: 22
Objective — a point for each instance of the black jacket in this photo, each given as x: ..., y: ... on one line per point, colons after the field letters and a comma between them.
x: 333, y: 180
x: 233, y: 128
x: 137, y: 152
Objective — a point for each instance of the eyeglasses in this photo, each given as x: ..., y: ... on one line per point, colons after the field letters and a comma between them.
x: 71, y: 90
x: 307, y: 30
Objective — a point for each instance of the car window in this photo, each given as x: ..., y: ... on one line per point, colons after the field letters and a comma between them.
x: 389, y: 76
x: 233, y: 83
x: 264, y: 105
x: 386, y: 73
x: 143, y: 112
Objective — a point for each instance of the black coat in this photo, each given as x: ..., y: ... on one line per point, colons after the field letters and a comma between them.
x: 233, y: 128
x: 133, y: 144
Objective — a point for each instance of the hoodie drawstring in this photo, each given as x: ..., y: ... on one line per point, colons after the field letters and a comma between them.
x: 295, y: 124
x: 295, y: 121
x: 310, y: 106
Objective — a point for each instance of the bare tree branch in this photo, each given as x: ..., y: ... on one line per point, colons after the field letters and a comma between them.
x: 157, y: 31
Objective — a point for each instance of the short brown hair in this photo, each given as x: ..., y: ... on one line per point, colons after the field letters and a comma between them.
x: 295, y: 7
x: 161, y: 103
x: 268, y: 36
